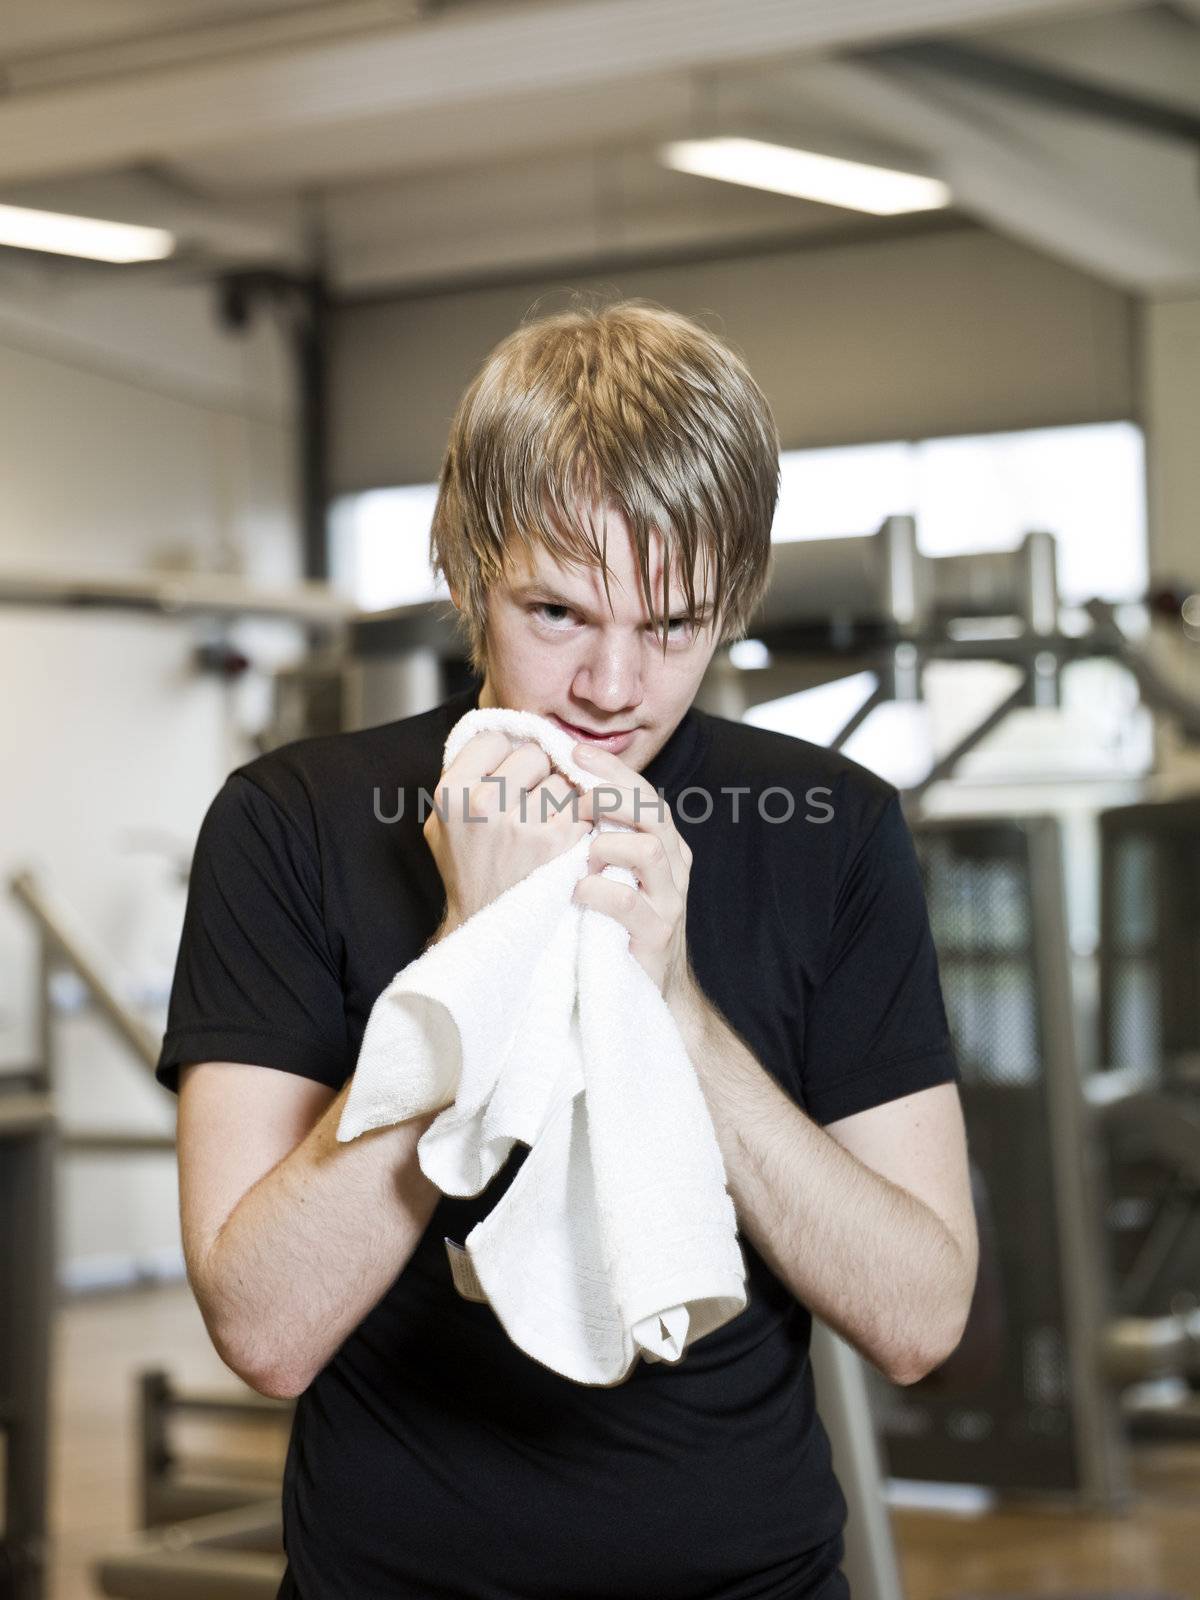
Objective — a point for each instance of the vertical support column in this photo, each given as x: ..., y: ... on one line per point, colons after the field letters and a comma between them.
x: 1170, y: 350
x: 312, y: 362
x: 870, y: 1563
x: 1037, y: 600
x: 27, y: 1275
x: 906, y: 592
x: 44, y: 1021
x: 1096, y: 1420
x: 1170, y: 409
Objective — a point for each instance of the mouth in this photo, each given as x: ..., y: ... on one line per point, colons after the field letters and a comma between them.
x: 607, y: 741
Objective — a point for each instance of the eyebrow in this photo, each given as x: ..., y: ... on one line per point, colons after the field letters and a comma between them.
x: 545, y: 591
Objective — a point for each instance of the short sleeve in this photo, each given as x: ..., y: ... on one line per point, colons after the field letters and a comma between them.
x: 876, y: 1026
x: 254, y: 978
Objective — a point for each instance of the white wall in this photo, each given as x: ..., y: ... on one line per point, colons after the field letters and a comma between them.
x: 947, y: 332
x: 134, y: 434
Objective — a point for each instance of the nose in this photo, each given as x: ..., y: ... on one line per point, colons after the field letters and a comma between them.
x: 609, y: 679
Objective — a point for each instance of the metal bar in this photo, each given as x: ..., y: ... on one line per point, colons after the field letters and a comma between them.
x: 875, y: 698
x: 81, y: 1142
x: 1046, y: 86
x: 44, y: 1021
x: 1171, y: 1222
x: 154, y: 1457
x: 870, y: 1564
x: 312, y: 360
x: 178, y: 594
x: 250, y: 1407
x: 1108, y: 956
x: 72, y: 946
x: 945, y: 766
x: 1103, y: 1466
x: 27, y: 1292
x: 235, y: 1554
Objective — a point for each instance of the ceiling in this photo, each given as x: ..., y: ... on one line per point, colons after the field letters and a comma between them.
x: 407, y: 142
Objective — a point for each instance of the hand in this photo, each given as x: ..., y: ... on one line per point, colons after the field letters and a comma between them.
x: 655, y: 913
x: 504, y: 841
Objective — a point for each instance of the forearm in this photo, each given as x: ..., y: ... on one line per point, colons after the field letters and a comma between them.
x: 862, y: 1253
x: 311, y: 1248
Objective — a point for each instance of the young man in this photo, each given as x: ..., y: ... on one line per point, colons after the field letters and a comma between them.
x: 604, y: 525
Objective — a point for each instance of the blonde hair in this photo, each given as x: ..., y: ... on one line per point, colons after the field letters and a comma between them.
x: 627, y: 406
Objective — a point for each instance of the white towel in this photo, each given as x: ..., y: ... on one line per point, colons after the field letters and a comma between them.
x: 617, y: 1238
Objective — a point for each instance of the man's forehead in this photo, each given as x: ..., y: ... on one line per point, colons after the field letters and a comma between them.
x: 540, y: 566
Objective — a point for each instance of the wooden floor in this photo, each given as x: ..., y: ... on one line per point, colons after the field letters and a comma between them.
x: 103, y: 1343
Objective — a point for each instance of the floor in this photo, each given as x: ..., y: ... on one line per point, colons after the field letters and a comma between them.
x: 104, y: 1342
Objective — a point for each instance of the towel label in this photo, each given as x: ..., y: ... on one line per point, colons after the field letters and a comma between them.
x: 462, y: 1269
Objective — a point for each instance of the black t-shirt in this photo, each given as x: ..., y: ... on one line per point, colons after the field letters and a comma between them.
x: 431, y: 1457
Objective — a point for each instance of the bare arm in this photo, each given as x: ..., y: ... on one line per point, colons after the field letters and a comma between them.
x: 869, y: 1221
x: 290, y: 1238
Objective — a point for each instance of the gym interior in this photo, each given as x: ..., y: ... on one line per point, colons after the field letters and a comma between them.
x: 250, y: 253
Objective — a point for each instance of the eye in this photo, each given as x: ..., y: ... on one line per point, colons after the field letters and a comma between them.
x: 541, y: 606
x: 678, y: 624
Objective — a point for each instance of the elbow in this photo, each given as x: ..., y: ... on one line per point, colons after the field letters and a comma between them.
x: 275, y: 1385
x: 918, y: 1362
x: 275, y: 1379
x: 271, y: 1373
x: 913, y: 1368
x: 932, y: 1350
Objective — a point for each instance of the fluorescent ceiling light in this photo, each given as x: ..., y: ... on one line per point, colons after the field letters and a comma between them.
x: 808, y: 176
x: 82, y: 236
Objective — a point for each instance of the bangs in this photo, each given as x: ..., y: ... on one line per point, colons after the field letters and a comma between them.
x: 632, y: 409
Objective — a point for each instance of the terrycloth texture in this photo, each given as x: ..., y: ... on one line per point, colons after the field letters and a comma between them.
x: 617, y: 1238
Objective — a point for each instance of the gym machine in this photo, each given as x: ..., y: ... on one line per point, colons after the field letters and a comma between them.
x: 1147, y: 1094
x: 1030, y: 1402
x: 1085, y: 1331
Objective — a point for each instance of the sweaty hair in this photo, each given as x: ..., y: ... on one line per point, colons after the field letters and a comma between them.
x: 627, y: 406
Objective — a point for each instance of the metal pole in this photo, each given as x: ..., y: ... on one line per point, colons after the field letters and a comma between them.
x: 853, y: 723
x: 1103, y: 1469
x: 312, y: 360
x: 945, y: 766
x: 27, y: 1295
x: 60, y: 939
x: 870, y: 1564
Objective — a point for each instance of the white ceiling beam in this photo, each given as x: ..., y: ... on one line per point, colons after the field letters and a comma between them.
x: 364, y: 154
x: 152, y: 46
x: 457, y: 59
x: 1152, y: 52
x: 1084, y: 215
